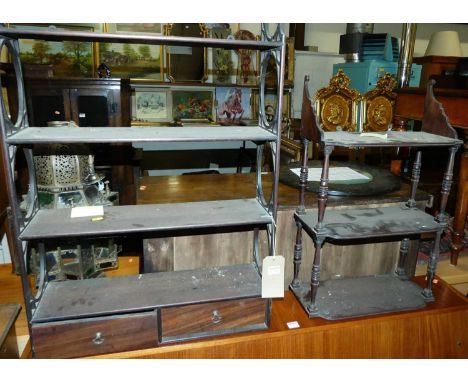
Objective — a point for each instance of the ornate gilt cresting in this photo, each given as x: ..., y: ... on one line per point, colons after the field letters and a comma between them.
x: 378, y: 105
x: 337, y: 104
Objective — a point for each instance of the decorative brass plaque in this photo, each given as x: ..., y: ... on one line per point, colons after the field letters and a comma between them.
x: 335, y: 112
x: 379, y: 114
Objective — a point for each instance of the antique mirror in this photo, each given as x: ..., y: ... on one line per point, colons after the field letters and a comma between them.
x: 186, y: 63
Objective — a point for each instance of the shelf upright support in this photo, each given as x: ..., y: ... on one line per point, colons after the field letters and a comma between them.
x: 315, y: 276
x: 441, y: 218
x: 411, y: 203
x: 404, y: 246
x: 323, y: 189
x: 18, y: 220
x: 300, y: 211
x: 278, y: 54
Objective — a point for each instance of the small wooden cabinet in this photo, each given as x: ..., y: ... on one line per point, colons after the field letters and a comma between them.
x: 89, y: 102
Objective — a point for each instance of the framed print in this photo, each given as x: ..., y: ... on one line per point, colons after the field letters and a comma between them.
x: 186, y: 63
x: 151, y: 105
x: 193, y: 105
x: 133, y: 60
x: 271, y: 78
x: 248, y: 60
x: 233, y: 104
x: 139, y: 28
x: 67, y: 58
x: 221, y: 64
x: 271, y: 102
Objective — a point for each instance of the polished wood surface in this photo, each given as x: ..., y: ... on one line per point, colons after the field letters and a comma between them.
x: 410, y: 105
x: 206, y: 187
x: 8, y: 343
x: 178, y: 253
x: 437, y: 331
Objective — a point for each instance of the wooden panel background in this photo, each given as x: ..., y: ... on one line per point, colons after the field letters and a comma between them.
x: 183, y: 252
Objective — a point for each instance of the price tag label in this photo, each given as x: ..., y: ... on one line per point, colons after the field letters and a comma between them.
x: 273, y: 277
x: 79, y: 212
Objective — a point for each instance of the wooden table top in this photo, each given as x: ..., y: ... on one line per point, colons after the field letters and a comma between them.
x: 206, y: 187
x: 8, y: 315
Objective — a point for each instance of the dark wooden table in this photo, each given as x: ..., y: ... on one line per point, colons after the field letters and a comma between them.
x: 410, y: 105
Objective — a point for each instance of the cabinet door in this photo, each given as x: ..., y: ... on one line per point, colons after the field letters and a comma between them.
x: 96, y: 107
x: 46, y: 105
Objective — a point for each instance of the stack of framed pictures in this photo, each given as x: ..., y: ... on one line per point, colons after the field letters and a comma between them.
x: 227, y: 105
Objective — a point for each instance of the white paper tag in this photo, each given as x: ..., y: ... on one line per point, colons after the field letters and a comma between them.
x: 79, y: 212
x: 273, y: 277
x: 82, y: 115
x: 293, y: 325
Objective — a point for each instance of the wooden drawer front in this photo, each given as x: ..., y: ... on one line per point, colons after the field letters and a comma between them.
x: 76, y: 338
x: 216, y: 318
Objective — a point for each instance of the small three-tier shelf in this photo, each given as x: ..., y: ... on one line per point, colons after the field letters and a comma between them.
x: 369, y: 295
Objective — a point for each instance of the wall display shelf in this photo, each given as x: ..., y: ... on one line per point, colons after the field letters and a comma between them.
x: 97, y: 316
x: 361, y: 296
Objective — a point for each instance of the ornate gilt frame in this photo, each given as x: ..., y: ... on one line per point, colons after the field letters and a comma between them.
x: 378, y: 105
x: 204, y: 30
x: 337, y: 104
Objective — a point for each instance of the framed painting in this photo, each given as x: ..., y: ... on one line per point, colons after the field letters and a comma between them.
x: 141, y: 61
x: 67, y: 58
x: 222, y: 66
x: 139, y: 28
x: 233, y: 105
x: 248, y: 60
x: 193, y: 105
x: 151, y: 105
x: 271, y: 77
x: 186, y: 63
x: 271, y: 104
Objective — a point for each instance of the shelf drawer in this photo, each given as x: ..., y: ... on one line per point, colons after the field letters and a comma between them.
x: 214, y: 318
x: 76, y: 338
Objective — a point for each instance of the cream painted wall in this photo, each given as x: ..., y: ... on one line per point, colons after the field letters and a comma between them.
x: 327, y: 36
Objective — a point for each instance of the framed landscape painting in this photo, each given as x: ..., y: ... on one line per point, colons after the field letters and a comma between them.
x: 67, y: 58
x: 139, y: 28
x: 133, y: 60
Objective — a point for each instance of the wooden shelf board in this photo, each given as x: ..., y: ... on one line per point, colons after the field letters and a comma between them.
x: 118, y: 220
x: 120, y: 295
x: 360, y: 223
x: 198, y: 133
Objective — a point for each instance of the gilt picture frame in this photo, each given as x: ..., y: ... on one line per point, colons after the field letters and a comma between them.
x: 184, y: 63
x: 136, y: 61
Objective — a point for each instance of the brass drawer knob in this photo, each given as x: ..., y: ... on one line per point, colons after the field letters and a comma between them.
x: 216, y: 317
x: 98, y: 339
